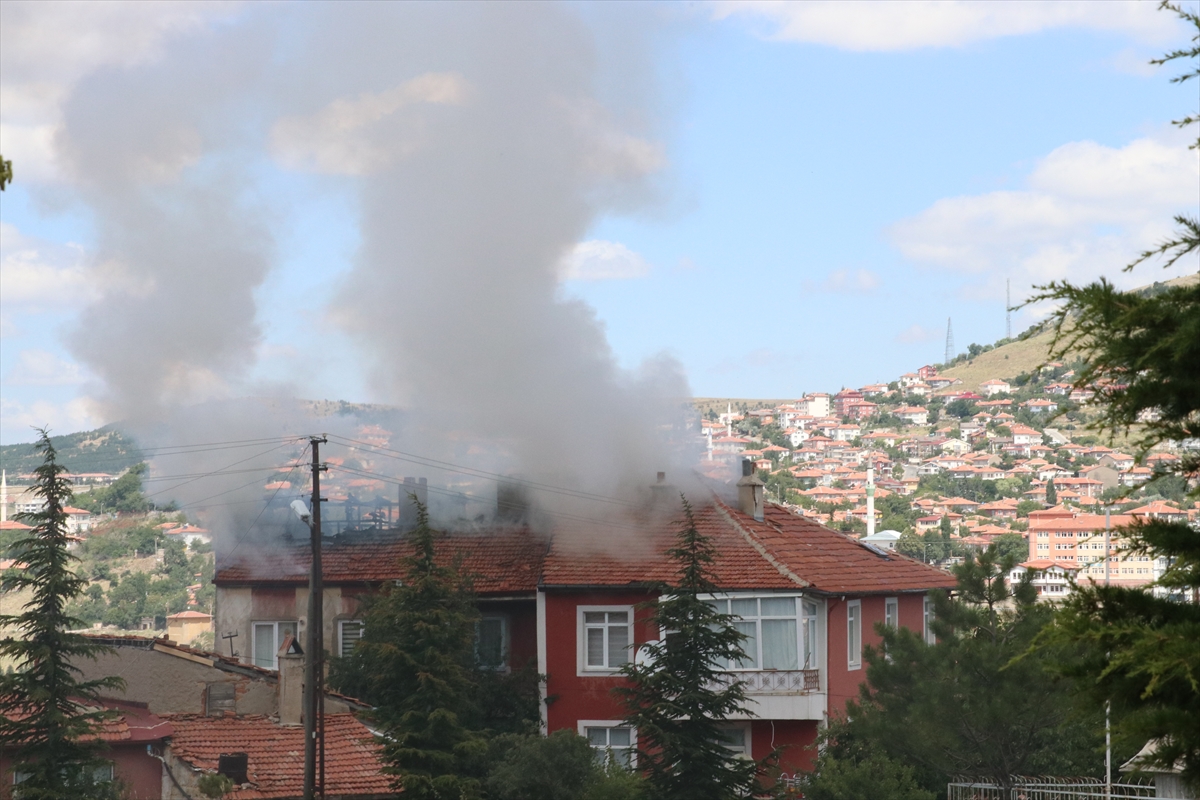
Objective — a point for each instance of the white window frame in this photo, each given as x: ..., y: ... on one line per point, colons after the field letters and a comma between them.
x: 802, y: 620
x: 891, y: 612
x: 584, y: 724
x: 583, y: 669
x: 747, y: 728
x: 341, y: 634
x: 275, y: 633
x: 854, y: 625
x: 505, y: 624
x: 927, y: 630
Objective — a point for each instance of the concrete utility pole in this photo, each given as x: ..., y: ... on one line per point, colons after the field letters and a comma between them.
x: 314, y: 667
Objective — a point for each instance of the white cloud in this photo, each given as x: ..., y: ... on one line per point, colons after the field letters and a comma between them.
x: 859, y: 281
x: 915, y: 334
x: 18, y: 418
x: 887, y: 25
x: 599, y: 260
x: 356, y: 136
x: 45, y: 48
x: 43, y: 368
x: 36, y: 275
x: 1087, y: 210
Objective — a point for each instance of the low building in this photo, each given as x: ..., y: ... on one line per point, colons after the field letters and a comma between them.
x: 187, y: 625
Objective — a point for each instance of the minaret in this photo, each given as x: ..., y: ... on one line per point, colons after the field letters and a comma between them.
x: 729, y: 419
x: 4, y: 495
x: 870, y: 501
x: 709, y: 434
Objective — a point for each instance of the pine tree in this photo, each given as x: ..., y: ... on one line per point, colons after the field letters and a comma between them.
x: 1051, y: 493
x: 416, y: 663
x: 678, y: 698
x: 48, y: 732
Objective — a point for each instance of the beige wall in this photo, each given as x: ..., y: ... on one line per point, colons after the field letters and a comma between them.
x: 237, y: 608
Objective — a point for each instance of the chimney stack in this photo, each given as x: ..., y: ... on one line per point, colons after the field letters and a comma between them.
x: 661, y: 492
x: 291, y: 681
x: 750, y: 491
x: 416, y: 487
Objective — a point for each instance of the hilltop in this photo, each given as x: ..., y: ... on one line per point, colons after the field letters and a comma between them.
x: 105, y: 449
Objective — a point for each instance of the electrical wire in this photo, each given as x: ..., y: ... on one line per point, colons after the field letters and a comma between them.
x: 412, y: 458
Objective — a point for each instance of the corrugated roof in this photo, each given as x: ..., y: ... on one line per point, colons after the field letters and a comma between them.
x: 276, y: 754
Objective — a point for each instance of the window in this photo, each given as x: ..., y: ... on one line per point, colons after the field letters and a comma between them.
x: 930, y: 638
x: 491, y: 643
x: 267, y: 638
x: 891, y: 612
x: 607, y: 636
x: 349, y: 632
x: 611, y: 740
x: 219, y: 698
x: 854, y: 634
x: 736, y: 739
x: 770, y: 627
x: 809, y: 610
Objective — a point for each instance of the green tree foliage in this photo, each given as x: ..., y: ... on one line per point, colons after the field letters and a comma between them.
x: 561, y: 766
x: 124, y: 495
x: 676, y: 698
x: 1051, y: 493
x: 963, y: 706
x: 6, y: 173
x: 1012, y: 545
x: 416, y: 664
x: 46, y: 731
x: 850, y: 769
x: 1141, y: 351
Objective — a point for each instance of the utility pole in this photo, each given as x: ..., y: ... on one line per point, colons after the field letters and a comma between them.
x: 314, y: 668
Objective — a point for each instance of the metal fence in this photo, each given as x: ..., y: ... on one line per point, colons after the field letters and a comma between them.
x: 1051, y: 789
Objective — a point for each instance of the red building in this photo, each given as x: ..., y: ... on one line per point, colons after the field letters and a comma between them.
x: 571, y: 603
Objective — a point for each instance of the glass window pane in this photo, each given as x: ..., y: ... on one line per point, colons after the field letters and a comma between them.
x: 595, y: 647
x: 264, y: 645
x: 597, y: 737
x: 618, y: 737
x: 618, y: 616
x: 593, y: 617
x: 779, y: 644
x: 778, y: 607
x: 734, y: 739
x: 722, y: 606
x: 490, y: 644
x: 745, y: 608
x: 750, y: 645
x: 624, y: 757
x: 618, y: 642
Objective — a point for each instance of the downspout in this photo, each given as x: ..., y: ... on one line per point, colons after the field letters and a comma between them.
x: 150, y: 752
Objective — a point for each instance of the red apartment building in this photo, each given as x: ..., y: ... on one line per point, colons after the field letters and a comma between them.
x: 570, y: 602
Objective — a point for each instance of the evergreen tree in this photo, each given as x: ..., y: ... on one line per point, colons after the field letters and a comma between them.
x: 1051, y: 493
x: 1141, y: 351
x: 969, y: 705
x: 416, y: 664
x: 678, y: 697
x: 47, y: 733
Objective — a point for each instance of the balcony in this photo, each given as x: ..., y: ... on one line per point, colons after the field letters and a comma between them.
x: 776, y: 681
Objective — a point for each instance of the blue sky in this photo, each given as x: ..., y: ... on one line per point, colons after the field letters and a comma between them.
x: 824, y: 184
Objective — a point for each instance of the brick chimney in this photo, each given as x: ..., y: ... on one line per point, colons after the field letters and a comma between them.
x: 750, y: 491
x: 291, y: 681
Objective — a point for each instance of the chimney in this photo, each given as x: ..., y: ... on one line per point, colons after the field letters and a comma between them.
x: 291, y: 681
x: 661, y: 492
x: 750, y: 491
x: 512, y: 502
x: 413, y: 487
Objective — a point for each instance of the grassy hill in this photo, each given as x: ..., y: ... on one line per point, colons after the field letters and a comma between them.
x: 1026, y: 355
x: 103, y: 450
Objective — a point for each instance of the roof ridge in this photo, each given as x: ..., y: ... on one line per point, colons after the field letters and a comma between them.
x: 759, y: 546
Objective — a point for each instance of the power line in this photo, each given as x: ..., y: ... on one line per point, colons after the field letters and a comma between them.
x: 447, y: 466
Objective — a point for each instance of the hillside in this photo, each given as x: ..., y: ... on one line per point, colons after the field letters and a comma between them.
x: 1006, y: 361
x: 103, y: 450
x: 1026, y: 355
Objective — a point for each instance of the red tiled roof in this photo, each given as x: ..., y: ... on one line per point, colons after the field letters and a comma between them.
x: 502, y: 562
x: 784, y: 551
x: 276, y: 754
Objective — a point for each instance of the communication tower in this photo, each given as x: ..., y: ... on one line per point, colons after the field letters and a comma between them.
x: 949, y: 343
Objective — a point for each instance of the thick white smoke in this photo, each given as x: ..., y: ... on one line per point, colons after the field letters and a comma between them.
x: 481, y: 142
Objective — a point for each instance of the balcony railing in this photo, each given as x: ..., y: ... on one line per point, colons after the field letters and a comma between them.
x: 773, y: 681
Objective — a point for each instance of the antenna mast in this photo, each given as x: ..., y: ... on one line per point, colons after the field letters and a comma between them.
x: 1007, y: 308
x: 949, y: 343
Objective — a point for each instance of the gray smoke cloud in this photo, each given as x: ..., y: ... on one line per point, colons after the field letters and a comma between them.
x: 481, y: 141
